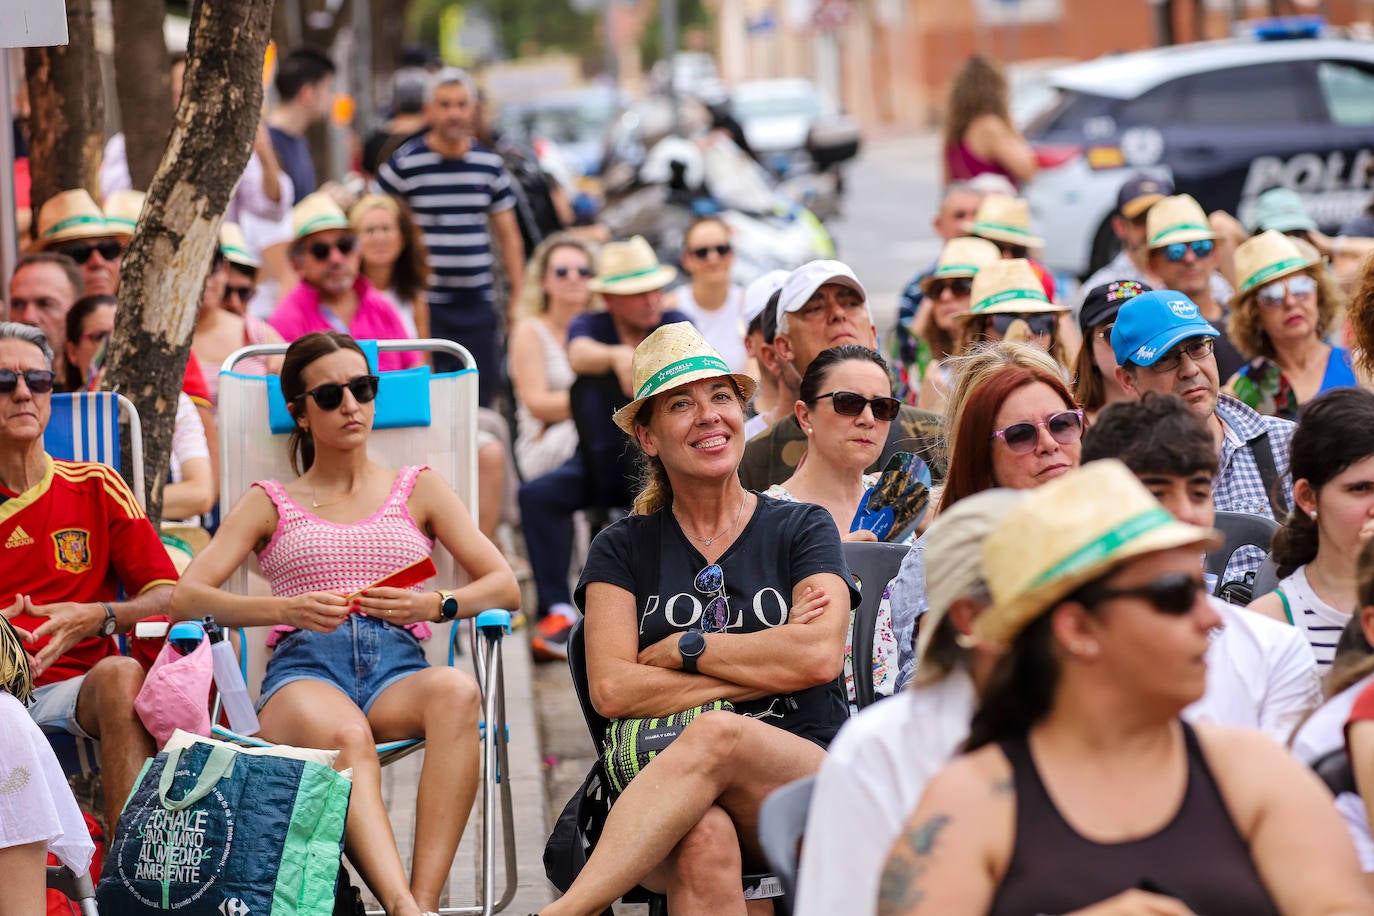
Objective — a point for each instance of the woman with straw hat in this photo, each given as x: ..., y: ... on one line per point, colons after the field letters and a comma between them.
x: 947, y: 288
x: 1006, y: 301
x: 1080, y: 787
x: 1283, y: 308
x: 718, y: 611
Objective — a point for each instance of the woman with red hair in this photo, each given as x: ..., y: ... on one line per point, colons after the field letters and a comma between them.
x: 1012, y: 422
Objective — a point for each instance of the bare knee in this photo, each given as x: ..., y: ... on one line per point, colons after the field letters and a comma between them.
x: 714, y: 736
x: 708, y: 858
x: 112, y: 686
x: 455, y: 701
x: 354, y: 740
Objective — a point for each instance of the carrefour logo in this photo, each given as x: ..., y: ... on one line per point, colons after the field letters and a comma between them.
x: 1182, y: 308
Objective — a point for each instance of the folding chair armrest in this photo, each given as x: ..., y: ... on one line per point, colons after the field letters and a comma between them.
x: 493, y: 623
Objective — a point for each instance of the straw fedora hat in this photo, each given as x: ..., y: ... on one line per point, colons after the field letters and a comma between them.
x: 316, y: 213
x: 1068, y: 532
x: 962, y: 257
x: 1005, y: 219
x: 122, y: 209
x: 1176, y: 219
x: 1008, y: 286
x: 629, y: 268
x: 674, y: 355
x: 235, y: 246
x: 70, y: 215
x: 1269, y: 256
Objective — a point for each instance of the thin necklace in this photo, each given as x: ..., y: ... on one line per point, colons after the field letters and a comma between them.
x: 706, y: 542
x: 319, y: 505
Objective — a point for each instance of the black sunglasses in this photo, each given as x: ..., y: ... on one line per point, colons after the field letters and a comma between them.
x: 1013, y: 251
x: 715, y: 617
x: 320, y: 250
x: 701, y: 253
x: 959, y: 286
x: 39, y: 381
x: 244, y: 293
x: 1174, y: 594
x: 81, y: 253
x: 1021, y: 438
x: 850, y: 404
x: 1040, y: 323
x: 562, y: 273
x: 330, y: 395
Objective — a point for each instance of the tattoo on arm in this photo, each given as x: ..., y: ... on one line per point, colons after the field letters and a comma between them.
x: 900, y: 891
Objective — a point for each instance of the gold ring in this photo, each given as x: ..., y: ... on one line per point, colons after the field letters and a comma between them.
x: 388, y: 611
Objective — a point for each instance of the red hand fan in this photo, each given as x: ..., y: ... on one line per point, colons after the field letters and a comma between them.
x: 404, y: 577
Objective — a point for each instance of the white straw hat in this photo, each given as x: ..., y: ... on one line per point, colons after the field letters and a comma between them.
x: 675, y: 355
x: 1068, y: 532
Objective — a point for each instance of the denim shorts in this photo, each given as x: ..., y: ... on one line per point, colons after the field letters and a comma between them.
x: 362, y: 657
x: 54, y: 707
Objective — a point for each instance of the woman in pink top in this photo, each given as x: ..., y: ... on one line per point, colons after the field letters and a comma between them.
x: 348, y: 672
x: 979, y: 136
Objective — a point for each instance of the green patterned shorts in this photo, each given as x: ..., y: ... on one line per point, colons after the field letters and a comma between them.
x: 632, y: 743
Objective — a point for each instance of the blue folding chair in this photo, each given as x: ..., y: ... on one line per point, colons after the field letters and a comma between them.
x: 253, y: 427
x: 85, y: 426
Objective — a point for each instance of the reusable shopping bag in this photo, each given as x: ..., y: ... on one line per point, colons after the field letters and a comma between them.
x: 212, y: 830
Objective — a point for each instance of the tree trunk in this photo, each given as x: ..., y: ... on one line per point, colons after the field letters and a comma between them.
x: 143, y: 84
x: 66, y: 111
x: 164, y: 270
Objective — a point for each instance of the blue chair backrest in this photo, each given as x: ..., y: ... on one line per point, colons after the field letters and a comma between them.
x: 84, y: 427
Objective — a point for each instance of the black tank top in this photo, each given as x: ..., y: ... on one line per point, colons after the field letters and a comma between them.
x: 1198, y: 857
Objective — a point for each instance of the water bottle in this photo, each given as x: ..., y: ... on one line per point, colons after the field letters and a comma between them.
x: 233, y: 692
x: 186, y: 636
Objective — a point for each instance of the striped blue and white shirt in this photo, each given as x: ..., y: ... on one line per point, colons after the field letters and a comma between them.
x: 452, y: 199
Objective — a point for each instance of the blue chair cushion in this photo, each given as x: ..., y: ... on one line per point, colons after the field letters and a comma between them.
x: 402, y: 401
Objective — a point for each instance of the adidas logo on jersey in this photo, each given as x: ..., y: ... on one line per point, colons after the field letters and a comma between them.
x: 18, y: 538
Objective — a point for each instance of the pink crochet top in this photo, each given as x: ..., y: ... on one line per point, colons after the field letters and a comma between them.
x: 309, y: 554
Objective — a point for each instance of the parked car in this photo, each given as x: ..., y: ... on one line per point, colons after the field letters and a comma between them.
x: 779, y: 116
x: 1225, y: 120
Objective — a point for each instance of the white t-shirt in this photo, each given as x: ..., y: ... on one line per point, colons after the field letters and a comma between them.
x: 188, y: 442
x: 35, y: 802
x: 871, y: 780
x: 723, y: 328
x: 1323, y: 732
x: 1260, y: 674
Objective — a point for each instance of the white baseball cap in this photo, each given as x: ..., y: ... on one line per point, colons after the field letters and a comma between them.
x: 757, y: 293
x: 802, y: 283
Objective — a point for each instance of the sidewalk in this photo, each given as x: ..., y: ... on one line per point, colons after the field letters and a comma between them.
x: 401, y: 780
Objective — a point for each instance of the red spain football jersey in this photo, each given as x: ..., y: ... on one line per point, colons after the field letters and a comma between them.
x: 77, y: 536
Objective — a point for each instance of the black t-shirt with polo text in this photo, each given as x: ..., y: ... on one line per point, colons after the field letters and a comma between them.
x: 782, y: 544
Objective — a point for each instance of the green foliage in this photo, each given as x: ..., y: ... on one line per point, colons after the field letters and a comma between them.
x: 527, y: 26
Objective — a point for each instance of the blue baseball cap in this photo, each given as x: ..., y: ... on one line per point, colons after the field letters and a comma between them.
x: 1149, y: 325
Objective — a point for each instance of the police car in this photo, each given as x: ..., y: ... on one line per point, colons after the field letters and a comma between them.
x: 1224, y: 120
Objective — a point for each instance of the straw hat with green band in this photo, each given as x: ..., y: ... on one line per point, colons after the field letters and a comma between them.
x: 1008, y: 287
x: 122, y: 209
x: 1068, y: 532
x: 1269, y: 256
x: 70, y: 215
x: 672, y: 356
x: 629, y: 268
x: 1176, y: 219
x: 316, y: 213
x: 235, y: 247
x: 962, y: 257
x: 1004, y: 219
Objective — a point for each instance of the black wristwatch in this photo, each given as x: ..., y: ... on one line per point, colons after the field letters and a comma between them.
x: 110, y: 623
x: 690, y: 647
x: 448, y: 606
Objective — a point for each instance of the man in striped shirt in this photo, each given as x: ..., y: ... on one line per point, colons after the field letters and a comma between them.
x: 462, y: 199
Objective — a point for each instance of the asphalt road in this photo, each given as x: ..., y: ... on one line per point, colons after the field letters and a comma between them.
x: 885, y: 231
